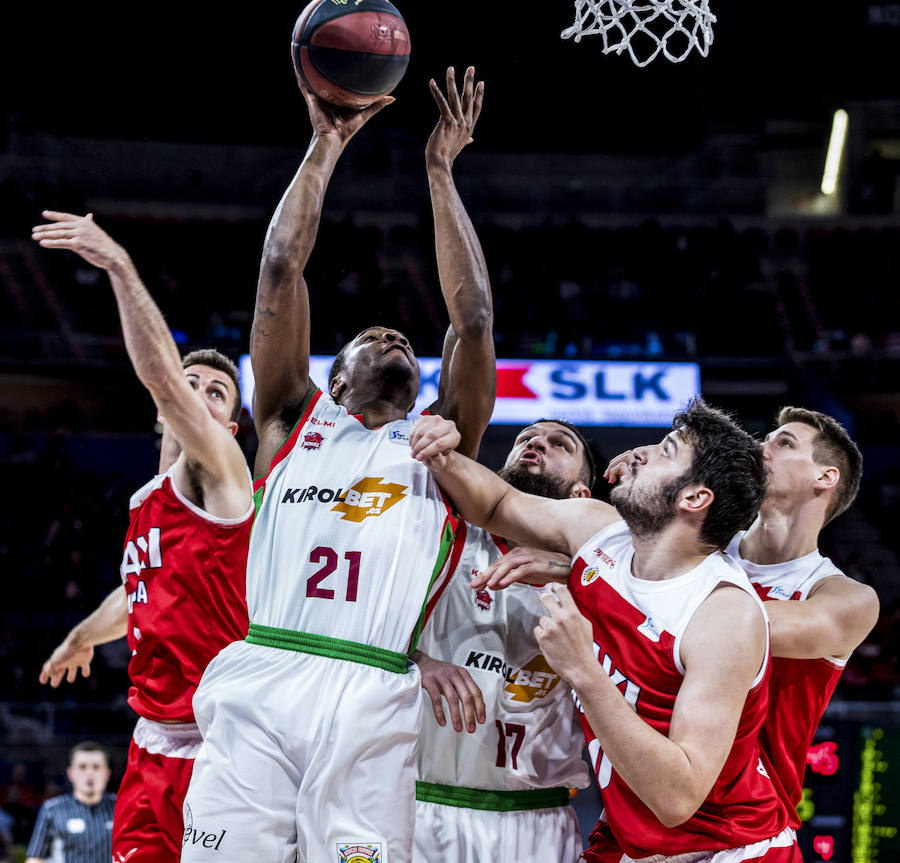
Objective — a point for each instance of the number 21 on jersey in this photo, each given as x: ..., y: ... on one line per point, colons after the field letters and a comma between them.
x: 329, y: 560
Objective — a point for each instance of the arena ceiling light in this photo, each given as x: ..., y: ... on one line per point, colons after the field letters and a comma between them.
x: 835, y: 150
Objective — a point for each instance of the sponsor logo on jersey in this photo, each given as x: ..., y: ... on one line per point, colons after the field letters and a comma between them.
x: 398, y: 436
x: 142, y: 552
x: 312, y: 440
x: 588, y: 575
x: 648, y: 628
x: 535, y: 679
x: 483, y: 598
x: 371, y: 496
x: 302, y: 495
x: 359, y: 852
x: 313, y: 421
x: 199, y: 837
x: 761, y: 769
x: 778, y: 592
x: 605, y: 558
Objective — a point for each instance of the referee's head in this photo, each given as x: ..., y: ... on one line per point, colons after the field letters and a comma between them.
x: 88, y: 771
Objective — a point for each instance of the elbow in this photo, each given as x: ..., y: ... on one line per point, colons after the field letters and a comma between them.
x: 281, y: 261
x: 476, y: 322
x: 675, y: 810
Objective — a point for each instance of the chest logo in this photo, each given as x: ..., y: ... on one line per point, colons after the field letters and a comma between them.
x: 604, y: 558
x: 649, y: 629
x: 588, y: 575
x: 533, y: 680
x: 483, y: 598
x: 371, y: 496
x: 312, y: 441
x: 398, y: 436
x: 142, y: 552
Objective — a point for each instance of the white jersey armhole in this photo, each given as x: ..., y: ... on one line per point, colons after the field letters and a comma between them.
x: 202, y: 513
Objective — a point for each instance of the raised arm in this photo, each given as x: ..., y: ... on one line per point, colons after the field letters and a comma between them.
x: 107, y: 622
x: 279, y: 339
x: 151, y: 348
x: 486, y: 500
x: 671, y: 775
x: 468, y: 382
x: 832, y: 622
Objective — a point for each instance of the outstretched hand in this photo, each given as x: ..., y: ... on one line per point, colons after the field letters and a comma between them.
x: 523, y: 565
x: 459, y: 114
x: 66, y: 661
x: 81, y: 235
x: 341, y: 123
x: 564, y: 635
x: 618, y: 467
x: 432, y: 439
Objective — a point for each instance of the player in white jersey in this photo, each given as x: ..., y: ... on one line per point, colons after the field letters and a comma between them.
x: 501, y: 790
x: 310, y: 725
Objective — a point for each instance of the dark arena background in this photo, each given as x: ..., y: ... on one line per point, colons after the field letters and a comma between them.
x: 670, y: 214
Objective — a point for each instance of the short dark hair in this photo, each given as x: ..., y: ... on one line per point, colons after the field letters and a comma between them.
x: 832, y: 445
x: 338, y: 364
x: 729, y: 462
x: 87, y: 746
x: 588, y: 472
x: 215, y: 360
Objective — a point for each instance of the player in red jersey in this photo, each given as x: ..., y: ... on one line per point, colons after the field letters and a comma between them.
x: 659, y: 634
x: 184, y: 562
x: 814, y: 470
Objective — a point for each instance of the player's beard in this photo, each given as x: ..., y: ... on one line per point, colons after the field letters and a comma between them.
x: 542, y: 484
x: 647, y: 511
x: 396, y: 377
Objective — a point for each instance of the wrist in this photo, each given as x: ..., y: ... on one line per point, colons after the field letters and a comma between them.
x: 120, y: 263
x: 439, y: 167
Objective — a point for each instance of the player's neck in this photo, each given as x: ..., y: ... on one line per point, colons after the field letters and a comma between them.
x: 781, y: 534
x: 670, y: 553
x: 87, y: 799
x: 375, y: 412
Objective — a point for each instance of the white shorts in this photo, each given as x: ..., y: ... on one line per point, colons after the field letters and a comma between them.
x: 455, y: 834
x: 303, y: 758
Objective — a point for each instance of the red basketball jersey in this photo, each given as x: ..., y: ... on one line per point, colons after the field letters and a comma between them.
x: 185, y: 574
x: 637, y: 627
x: 800, y: 689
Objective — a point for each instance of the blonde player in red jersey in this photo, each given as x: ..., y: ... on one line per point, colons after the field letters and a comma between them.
x: 184, y: 562
x: 660, y: 635
x: 814, y: 470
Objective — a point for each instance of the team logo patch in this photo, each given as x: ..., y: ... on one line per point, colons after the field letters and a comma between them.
x: 368, y: 852
x: 370, y: 496
x: 649, y: 629
x: 483, y: 600
x: 589, y: 575
x: 312, y: 440
x: 778, y: 592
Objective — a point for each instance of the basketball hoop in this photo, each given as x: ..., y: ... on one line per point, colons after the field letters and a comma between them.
x: 644, y: 28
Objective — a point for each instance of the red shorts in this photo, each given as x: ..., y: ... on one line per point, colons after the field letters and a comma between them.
x: 148, y: 825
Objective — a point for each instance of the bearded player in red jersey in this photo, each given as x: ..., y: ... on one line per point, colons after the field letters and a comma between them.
x: 185, y: 555
x: 814, y: 470
x: 660, y: 635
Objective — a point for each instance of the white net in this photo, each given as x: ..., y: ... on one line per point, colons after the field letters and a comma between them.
x: 646, y: 28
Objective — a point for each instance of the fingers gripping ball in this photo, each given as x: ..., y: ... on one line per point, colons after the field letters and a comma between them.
x: 350, y: 53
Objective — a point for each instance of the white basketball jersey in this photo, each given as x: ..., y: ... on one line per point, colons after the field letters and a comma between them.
x: 350, y: 535
x: 532, y: 738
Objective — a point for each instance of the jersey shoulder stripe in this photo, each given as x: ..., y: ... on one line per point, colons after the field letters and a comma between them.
x: 285, y: 449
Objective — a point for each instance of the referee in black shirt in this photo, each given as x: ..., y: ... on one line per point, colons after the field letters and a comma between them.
x: 77, y: 827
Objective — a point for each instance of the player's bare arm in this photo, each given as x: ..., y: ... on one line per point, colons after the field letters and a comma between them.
x: 211, y: 453
x: 107, y: 622
x: 486, y: 500
x: 832, y: 622
x: 468, y: 380
x: 722, y: 650
x: 279, y: 338
x: 446, y: 681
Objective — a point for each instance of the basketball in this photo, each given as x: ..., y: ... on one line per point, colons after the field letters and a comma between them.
x: 350, y: 55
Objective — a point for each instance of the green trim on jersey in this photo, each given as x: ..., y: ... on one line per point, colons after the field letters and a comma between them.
x: 446, y: 546
x: 323, y: 645
x: 492, y: 801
